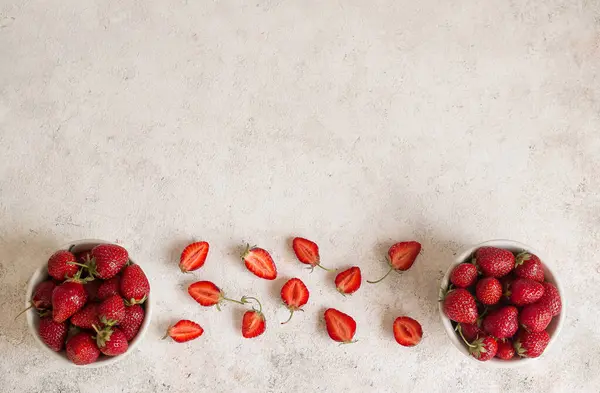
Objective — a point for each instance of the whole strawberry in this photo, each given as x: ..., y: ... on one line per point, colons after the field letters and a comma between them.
x: 61, y: 265
x: 535, y: 317
x: 52, y: 333
x: 82, y: 349
x: 42, y: 295
x: 135, y: 287
x: 484, y: 348
x: 463, y: 275
x: 494, y: 262
x: 111, y: 311
x: 111, y: 341
x: 109, y: 288
x: 488, y: 290
x: 525, y: 291
x: 87, y: 317
x: 107, y: 260
x: 470, y: 332
x: 531, y: 344
x: 131, y: 323
x: 459, y: 305
x: 529, y: 266
x: 68, y: 298
x: 502, y: 323
x: 551, y: 299
x: 506, y: 350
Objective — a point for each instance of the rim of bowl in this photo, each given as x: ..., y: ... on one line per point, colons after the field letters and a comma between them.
x: 41, y: 274
x: 511, y: 245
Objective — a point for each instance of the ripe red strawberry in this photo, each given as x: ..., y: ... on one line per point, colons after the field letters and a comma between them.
x: 494, y: 262
x: 208, y: 294
x: 525, y: 291
x: 68, y: 298
x: 535, y: 317
x: 459, y: 305
x: 488, y: 290
x: 502, y: 323
x: 42, y: 297
x: 348, y: 281
x: 87, y: 317
x: 464, y: 275
x: 184, y: 330
x: 307, y: 252
x: 193, y: 256
x: 340, y: 327
x: 529, y: 266
x: 82, y: 349
x: 294, y: 295
x: 505, y: 350
x: 52, y: 333
x: 531, y: 344
x: 111, y: 341
x: 111, y: 311
x: 551, y: 299
x: 92, y: 290
x: 61, y: 265
x: 401, y: 257
x: 107, y: 260
x: 83, y: 256
x: 483, y: 348
x: 407, y: 331
x: 109, y: 288
x: 135, y: 287
x: 470, y: 332
x: 253, y: 322
x: 259, y: 262
x: 131, y: 323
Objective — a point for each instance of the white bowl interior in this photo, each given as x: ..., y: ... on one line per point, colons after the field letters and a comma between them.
x: 553, y: 328
x: 33, y: 320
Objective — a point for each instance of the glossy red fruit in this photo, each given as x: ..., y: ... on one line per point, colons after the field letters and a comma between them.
x: 42, y: 295
x: 348, y: 281
x: 67, y: 298
x: 401, y: 257
x: 87, y: 317
x: 109, y: 288
x: 135, y: 287
x: 131, y: 323
x: 505, y: 350
x: 92, y: 290
x: 470, y: 332
x: 184, y: 330
x: 253, y: 323
x: 107, y: 260
x: 535, y: 317
x: 407, y: 331
x: 502, y: 323
x: 531, y: 344
x: 111, y: 341
x: 529, y: 266
x: 483, y: 348
x: 61, y: 265
x: 259, y: 262
x: 193, y: 256
x: 340, y: 327
x: 464, y: 275
x: 294, y: 295
x: 551, y: 299
x: 208, y: 294
x: 488, y: 290
x: 111, y: 311
x: 494, y: 262
x: 82, y: 349
x: 307, y: 252
x: 525, y: 291
x: 52, y: 333
x: 459, y: 305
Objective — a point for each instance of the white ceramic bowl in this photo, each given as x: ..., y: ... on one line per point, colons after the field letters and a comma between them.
x: 550, y: 276
x: 33, y: 319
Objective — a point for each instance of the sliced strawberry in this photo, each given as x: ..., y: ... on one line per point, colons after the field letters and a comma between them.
x: 407, y: 331
x: 253, y: 324
x: 348, y: 281
x: 208, y: 294
x: 184, y: 330
x: 259, y: 262
x: 401, y: 257
x: 340, y: 327
x: 307, y: 252
x: 295, y: 295
x: 193, y: 256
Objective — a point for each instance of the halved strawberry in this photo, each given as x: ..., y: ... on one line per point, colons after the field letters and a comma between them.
x: 340, y: 327
x: 193, y: 256
x: 401, y: 257
x: 208, y: 294
x: 259, y: 262
x: 348, y: 281
x: 253, y: 322
x: 407, y: 331
x: 295, y: 295
x: 184, y: 330
x: 307, y: 252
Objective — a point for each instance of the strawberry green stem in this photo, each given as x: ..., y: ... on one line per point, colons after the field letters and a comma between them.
x: 324, y: 268
x: 21, y: 313
x: 381, y: 279
x: 242, y: 302
x: 290, y: 318
x: 464, y: 339
x: 348, y: 342
x: 245, y: 301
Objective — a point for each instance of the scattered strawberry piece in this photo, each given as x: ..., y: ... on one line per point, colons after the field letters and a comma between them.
x: 259, y: 262
x: 111, y: 341
x: 107, y: 260
x: 135, y: 287
x: 61, y: 265
x: 535, y: 317
x: 294, y: 295
x: 401, y: 257
x: 87, y: 317
x: 505, y: 350
x: 470, y: 332
x: 488, y: 290
x: 184, y: 330
x: 551, y: 299
x: 193, y: 256
x: 463, y: 275
x: 502, y: 323
x: 494, y: 262
x: 111, y: 311
x: 340, y: 327
x: 68, y: 298
x: 52, y: 333
x: 525, y: 291
x: 131, y: 323
x: 529, y: 266
x: 459, y: 305
x: 82, y: 349
x: 109, y: 288
x: 253, y: 322
x: 531, y: 344
x: 348, y: 281
x: 208, y: 294
x: 407, y: 331
x: 307, y: 252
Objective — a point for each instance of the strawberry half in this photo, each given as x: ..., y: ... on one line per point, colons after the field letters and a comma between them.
x: 294, y: 295
x: 208, y: 294
x: 401, y: 257
x: 193, y: 256
x: 253, y: 322
x: 348, y: 281
x: 259, y: 262
x: 407, y: 331
x: 184, y: 330
x: 307, y: 252
x: 340, y: 327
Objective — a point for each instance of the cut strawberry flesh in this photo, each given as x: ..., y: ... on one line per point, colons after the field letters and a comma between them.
x: 253, y: 324
x: 193, y: 256
x: 205, y: 292
x: 407, y: 331
x: 259, y: 262
x: 184, y: 331
x: 306, y: 251
x: 402, y: 255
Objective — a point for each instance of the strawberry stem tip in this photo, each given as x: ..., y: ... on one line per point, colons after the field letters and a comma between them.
x: 381, y: 279
x: 21, y: 313
x: 245, y: 301
x: 242, y: 301
x: 324, y: 268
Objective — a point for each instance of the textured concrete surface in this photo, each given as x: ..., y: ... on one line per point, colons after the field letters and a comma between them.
x: 355, y: 123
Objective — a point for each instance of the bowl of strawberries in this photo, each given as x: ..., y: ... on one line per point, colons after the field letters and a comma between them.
x: 501, y: 303
x: 90, y: 304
